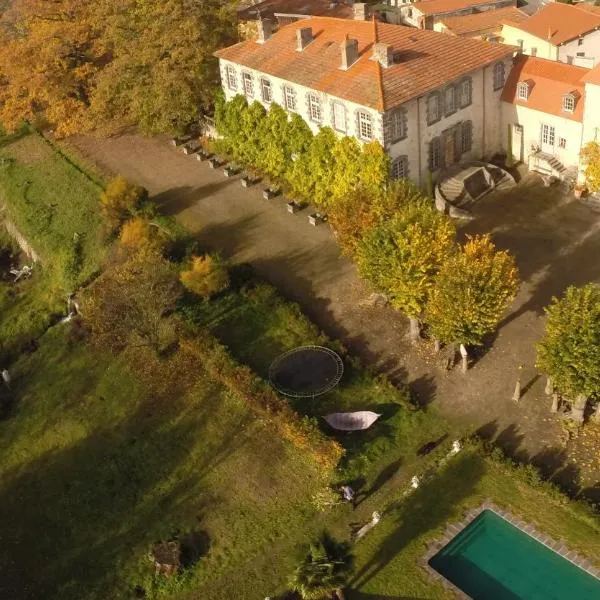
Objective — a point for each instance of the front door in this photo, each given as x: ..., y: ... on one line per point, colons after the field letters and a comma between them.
x: 547, y: 139
x: 517, y: 143
x: 449, y: 145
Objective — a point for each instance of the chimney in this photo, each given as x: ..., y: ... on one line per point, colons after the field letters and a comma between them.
x: 349, y: 53
x: 265, y: 30
x: 360, y: 11
x: 304, y: 37
x: 383, y: 54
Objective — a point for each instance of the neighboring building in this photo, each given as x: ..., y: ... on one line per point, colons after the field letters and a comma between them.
x: 560, y: 32
x: 430, y: 99
x: 284, y: 12
x: 426, y: 13
x: 485, y: 25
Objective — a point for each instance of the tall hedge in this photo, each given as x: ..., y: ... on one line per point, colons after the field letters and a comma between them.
x: 322, y: 169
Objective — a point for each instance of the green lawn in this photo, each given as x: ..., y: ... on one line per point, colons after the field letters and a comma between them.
x: 95, y: 468
x: 257, y: 325
x: 388, y: 558
x: 50, y: 201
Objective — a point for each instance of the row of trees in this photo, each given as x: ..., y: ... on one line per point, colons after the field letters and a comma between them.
x: 570, y: 350
x: 323, y: 169
x: 81, y: 64
x: 407, y: 250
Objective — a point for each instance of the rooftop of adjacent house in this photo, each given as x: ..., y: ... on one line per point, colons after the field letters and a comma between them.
x: 438, y: 7
x: 483, y: 22
x: 561, y: 23
x: 592, y: 76
x: 548, y: 83
x: 421, y: 60
x: 267, y: 9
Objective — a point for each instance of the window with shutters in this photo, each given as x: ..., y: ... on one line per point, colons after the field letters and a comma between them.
x: 533, y: 51
x: 433, y: 108
x: 466, y: 136
x: 465, y: 92
x: 339, y: 117
x: 450, y: 100
x: 397, y: 125
x: 231, y: 78
x: 248, y: 85
x: 314, y: 108
x: 365, y: 126
x: 399, y: 167
x: 266, y: 92
x: 289, y: 96
x: 435, y: 154
x: 498, y: 76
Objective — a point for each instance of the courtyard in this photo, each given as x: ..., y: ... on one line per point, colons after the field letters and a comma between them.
x: 554, y: 238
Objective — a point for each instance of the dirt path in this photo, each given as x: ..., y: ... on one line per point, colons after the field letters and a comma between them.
x: 556, y: 242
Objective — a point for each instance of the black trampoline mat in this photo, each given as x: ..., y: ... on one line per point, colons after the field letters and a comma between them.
x: 306, y: 371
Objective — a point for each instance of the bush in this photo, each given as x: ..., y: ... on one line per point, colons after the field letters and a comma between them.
x: 122, y: 200
x: 206, y: 276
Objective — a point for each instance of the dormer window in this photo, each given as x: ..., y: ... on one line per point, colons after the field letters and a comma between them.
x: 522, y: 90
x: 569, y: 103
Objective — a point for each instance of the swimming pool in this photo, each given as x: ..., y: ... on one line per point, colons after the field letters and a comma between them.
x: 491, y: 559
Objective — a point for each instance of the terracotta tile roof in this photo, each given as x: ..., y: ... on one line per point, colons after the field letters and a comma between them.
x: 483, y: 22
x: 436, y: 7
x: 560, y: 23
x: 426, y: 60
x: 549, y: 82
x: 268, y: 8
x: 592, y: 76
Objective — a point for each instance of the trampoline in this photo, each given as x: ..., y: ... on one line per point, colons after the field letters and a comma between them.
x: 306, y: 371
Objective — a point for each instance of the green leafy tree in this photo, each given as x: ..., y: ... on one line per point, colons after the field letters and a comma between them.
x: 570, y: 350
x: 374, y: 168
x: 299, y: 136
x: 276, y: 154
x: 472, y: 290
x: 122, y: 200
x: 590, y: 156
x: 357, y: 212
x: 402, y: 256
x: 347, y: 156
x: 326, y: 568
x: 251, y: 144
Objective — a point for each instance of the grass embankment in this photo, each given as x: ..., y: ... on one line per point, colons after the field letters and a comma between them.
x: 99, y: 463
x: 388, y: 558
x: 54, y: 205
x: 257, y: 325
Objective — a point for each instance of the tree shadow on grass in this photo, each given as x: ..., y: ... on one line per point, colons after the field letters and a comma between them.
x: 429, y: 507
x: 82, y: 515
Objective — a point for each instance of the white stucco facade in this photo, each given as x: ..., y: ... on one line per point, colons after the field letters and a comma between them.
x: 582, y: 52
x: 411, y: 149
x: 532, y: 130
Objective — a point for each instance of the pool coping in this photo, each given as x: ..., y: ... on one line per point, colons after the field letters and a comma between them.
x: 453, y: 529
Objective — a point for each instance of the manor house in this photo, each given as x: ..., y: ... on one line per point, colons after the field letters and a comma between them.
x: 430, y: 99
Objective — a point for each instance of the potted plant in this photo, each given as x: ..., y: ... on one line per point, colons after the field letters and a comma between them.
x: 580, y: 190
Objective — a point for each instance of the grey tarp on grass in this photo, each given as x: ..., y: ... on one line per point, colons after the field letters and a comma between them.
x: 352, y: 421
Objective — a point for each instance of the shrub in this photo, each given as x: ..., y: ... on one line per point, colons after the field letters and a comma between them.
x: 206, y: 276
x: 122, y: 200
x: 138, y: 233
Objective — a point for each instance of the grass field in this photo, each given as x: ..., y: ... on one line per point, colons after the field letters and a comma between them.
x: 50, y: 201
x: 96, y: 468
x: 257, y: 325
x: 388, y: 559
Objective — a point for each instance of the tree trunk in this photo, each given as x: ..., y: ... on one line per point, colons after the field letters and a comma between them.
x: 578, y: 408
x: 554, y: 407
x: 415, y: 330
x: 465, y: 358
x: 436, y: 346
x: 549, y: 386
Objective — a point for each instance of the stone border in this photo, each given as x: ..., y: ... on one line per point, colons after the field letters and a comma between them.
x: 453, y: 529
